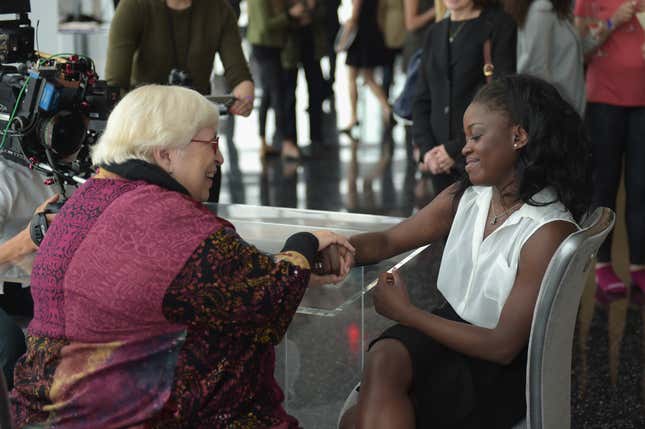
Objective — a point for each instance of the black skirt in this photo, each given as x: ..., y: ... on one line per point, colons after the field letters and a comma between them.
x: 452, y: 390
x: 368, y: 49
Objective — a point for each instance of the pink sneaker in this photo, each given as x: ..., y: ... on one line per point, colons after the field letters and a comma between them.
x: 609, y: 282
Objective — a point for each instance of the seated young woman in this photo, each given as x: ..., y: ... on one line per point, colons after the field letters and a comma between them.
x: 150, y: 310
x: 527, y: 185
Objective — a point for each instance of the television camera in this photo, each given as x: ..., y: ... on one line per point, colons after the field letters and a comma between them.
x: 52, y: 107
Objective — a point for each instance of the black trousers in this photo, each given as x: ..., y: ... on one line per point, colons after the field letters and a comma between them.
x: 617, y: 134
x: 272, y: 81
x: 313, y: 74
x: 332, y: 25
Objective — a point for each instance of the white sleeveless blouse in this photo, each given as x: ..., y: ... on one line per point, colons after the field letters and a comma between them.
x: 476, y: 276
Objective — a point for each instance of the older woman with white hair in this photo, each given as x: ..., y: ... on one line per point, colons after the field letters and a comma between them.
x: 149, y: 309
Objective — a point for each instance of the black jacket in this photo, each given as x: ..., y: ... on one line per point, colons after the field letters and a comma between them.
x: 442, y: 95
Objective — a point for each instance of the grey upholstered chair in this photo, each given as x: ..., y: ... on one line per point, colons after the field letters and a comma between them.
x: 548, y: 372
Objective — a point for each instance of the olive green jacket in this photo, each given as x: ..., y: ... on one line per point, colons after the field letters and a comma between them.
x: 140, y: 47
x: 268, y: 23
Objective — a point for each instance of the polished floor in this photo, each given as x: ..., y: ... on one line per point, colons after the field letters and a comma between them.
x: 321, y: 357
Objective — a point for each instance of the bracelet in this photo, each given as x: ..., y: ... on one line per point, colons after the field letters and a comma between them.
x: 610, y: 24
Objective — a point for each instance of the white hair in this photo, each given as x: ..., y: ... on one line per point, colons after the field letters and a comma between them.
x: 153, y: 117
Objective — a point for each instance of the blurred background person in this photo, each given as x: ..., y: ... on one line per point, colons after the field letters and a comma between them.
x: 452, y: 64
x: 306, y: 45
x: 332, y: 25
x: 367, y: 52
x: 269, y: 22
x: 419, y: 14
x: 548, y: 46
x: 177, y: 323
x: 616, y: 120
x: 149, y: 39
x: 391, y: 19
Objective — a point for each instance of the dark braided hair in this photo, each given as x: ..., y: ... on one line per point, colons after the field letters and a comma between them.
x: 558, y: 152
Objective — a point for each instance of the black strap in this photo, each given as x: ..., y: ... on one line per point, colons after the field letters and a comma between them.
x: 173, y: 40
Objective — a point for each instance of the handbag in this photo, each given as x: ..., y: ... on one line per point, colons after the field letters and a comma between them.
x: 402, y: 106
x: 345, y: 37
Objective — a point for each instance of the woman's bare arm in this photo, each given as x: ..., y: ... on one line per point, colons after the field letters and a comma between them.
x: 429, y: 224
x: 414, y: 20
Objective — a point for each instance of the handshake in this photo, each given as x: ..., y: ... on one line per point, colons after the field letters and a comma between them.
x: 334, y: 259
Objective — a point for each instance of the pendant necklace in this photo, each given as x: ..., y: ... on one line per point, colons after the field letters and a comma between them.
x: 451, y: 36
x: 503, y: 214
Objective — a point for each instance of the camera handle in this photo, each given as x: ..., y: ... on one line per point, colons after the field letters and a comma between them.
x: 39, y: 225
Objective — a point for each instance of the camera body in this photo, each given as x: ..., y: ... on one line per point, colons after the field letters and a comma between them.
x: 52, y: 108
x: 16, y: 36
x: 180, y: 77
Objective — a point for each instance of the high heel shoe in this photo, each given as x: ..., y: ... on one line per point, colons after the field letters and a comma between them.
x: 348, y: 129
x: 290, y: 152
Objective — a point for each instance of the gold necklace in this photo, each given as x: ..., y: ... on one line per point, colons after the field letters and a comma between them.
x: 504, y: 213
x: 451, y: 36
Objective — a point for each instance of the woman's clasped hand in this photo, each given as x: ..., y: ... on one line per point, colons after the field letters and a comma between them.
x: 334, y: 259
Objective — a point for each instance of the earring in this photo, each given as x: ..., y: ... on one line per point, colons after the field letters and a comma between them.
x: 515, y: 145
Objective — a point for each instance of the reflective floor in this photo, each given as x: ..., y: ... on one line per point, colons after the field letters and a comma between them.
x: 320, y: 359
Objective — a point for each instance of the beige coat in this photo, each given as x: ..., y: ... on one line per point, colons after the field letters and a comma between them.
x: 392, y: 22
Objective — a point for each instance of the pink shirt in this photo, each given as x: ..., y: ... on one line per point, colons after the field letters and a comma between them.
x: 616, y: 75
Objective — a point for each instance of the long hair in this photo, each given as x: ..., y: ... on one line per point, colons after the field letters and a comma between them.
x: 557, y: 153
x: 518, y: 9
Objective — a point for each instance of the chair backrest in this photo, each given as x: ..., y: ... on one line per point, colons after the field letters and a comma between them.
x: 5, y: 417
x: 548, y: 373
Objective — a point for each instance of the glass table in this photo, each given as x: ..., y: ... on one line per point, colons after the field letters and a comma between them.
x: 321, y: 357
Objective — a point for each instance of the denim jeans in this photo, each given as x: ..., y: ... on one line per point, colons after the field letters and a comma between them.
x: 618, y: 135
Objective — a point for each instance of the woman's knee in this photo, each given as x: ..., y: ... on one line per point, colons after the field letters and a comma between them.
x: 389, y: 361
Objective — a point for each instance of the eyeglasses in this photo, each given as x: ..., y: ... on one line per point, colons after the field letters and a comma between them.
x: 214, y: 142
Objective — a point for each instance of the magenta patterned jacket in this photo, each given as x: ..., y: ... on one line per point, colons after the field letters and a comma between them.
x: 151, y: 312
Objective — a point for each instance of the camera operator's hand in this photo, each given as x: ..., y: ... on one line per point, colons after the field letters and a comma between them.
x: 298, y: 10
x: 41, y: 208
x: 20, y: 244
x: 245, y: 93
